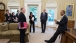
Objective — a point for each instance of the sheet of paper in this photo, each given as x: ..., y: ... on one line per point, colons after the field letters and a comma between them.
x: 32, y: 18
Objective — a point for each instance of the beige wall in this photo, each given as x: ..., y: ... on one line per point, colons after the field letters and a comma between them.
x: 6, y: 2
x: 61, y: 5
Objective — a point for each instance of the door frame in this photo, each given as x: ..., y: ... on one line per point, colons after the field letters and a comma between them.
x: 39, y: 12
x: 55, y: 16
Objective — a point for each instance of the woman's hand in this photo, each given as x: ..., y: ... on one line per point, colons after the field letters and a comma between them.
x: 55, y: 21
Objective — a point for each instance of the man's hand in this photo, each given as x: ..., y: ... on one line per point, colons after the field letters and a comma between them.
x: 9, y: 19
x: 13, y: 18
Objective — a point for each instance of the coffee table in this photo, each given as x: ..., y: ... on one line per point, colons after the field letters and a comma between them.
x: 4, y: 40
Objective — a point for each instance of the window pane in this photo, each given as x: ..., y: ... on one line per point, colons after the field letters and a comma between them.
x: 14, y: 10
x: 33, y: 9
x: 50, y: 15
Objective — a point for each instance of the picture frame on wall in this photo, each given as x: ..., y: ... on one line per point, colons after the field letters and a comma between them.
x: 70, y: 10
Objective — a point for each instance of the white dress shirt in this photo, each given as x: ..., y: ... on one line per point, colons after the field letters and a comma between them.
x: 62, y: 17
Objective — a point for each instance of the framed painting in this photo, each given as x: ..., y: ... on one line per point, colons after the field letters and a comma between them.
x: 70, y: 10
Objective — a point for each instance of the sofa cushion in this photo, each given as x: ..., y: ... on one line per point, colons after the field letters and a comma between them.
x: 3, y: 27
x: 16, y: 32
x: 13, y: 26
x: 11, y: 33
x: 7, y: 33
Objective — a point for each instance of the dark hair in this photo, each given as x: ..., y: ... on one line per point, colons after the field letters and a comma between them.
x: 30, y: 13
x: 7, y: 10
x: 12, y: 13
x: 63, y: 11
x: 17, y: 10
x: 21, y: 8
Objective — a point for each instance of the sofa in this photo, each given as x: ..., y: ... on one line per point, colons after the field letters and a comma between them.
x: 10, y: 31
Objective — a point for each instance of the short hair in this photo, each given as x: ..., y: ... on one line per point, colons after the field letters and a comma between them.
x: 30, y: 13
x: 7, y: 10
x: 12, y: 13
x: 63, y: 11
x: 21, y: 8
x: 17, y: 10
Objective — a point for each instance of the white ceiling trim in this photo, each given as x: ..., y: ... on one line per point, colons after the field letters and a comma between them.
x: 13, y: 3
x: 51, y: 3
x: 32, y: 1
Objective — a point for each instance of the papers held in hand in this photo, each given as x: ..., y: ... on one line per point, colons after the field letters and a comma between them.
x: 32, y: 18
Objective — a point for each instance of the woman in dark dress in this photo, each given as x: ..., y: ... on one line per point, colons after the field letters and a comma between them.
x: 32, y: 21
x: 13, y: 17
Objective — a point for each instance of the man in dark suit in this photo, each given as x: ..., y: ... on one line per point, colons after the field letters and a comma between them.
x: 61, y: 28
x: 7, y: 16
x: 43, y: 19
x: 21, y: 20
x: 17, y: 15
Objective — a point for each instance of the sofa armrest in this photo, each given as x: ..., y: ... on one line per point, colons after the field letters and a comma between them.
x: 28, y: 29
x: 3, y: 27
x: 0, y: 27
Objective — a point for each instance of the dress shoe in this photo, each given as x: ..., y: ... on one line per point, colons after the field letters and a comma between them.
x: 42, y: 32
x: 33, y: 32
x: 47, y: 41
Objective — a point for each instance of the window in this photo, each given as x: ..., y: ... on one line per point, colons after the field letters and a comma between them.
x: 51, y: 8
x: 33, y: 9
x: 14, y: 10
x: 50, y: 15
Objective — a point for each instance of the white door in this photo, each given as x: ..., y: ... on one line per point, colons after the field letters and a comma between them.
x: 34, y: 10
x: 51, y: 16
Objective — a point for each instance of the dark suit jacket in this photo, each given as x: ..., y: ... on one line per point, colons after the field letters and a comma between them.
x: 13, y: 16
x: 17, y: 15
x: 7, y: 17
x: 63, y: 24
x: 46, y: 16
x: 30, y: 19
x: 21, y: 18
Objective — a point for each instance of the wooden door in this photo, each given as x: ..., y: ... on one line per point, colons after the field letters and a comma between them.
x: 2, y: 18
x: 2, y: 12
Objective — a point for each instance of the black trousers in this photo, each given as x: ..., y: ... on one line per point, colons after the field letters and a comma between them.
x: 32, y: 24
x: 22, y: 35
x: 54, y: 37
x: 43, y: 25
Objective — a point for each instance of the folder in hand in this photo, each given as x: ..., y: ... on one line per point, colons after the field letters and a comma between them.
x: 32, y: 18
x: 25, y: 25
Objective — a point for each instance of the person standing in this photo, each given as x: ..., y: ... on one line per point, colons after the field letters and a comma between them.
x: 13, y: 17
x: 17, y: 15
x: 43, y: 19
x: 32, y: 21
x: 61, y: 28
x: 21, y: 20
x: 7, y: 16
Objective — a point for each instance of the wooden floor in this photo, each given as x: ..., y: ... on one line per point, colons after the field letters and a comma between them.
x: 39, y: 37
